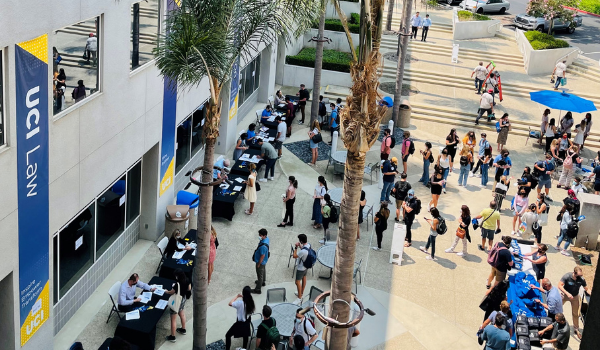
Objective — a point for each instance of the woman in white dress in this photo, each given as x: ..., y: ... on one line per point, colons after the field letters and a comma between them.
x: 251, y: 188
x: 579, y: 133
x: 544, y: 125
x: 588, y: 127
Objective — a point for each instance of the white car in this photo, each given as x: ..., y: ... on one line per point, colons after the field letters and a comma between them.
x: 481, y: 6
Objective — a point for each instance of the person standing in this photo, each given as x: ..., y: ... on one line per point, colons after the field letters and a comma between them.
x: 596, y: 174
x: 280, y: 138
x: 301, y: 255
x: 269, y: 154
x: 289, y: 200
x: 260, y: 258
x: 400, y: 191
x: 363, y: 202
x: 410, y: 207
x: 389, y: 171
x: 504, y: 311
x: 242, y: 326
x: 78, y: 93
x: 427, y: 160
x: 433, y: 224
x: 240, y: 146
x: 579, y: 133
x: 465, y: 166
x: 314, y: 146
x: 561, y: 333
x: 426, y: 25
x: 566, y: 215
x: 544, y: 169
x: 569, y: 285
x: 560, y: 71
x: 319, y: 193
x: 495, y: 337
x: 550, y: 133
x: 462, y: 232
x: 183, y: 287
x: 333, y: 120
x: 544, y: 125
x: 502, y: 163
x: 520, y: 204
x: 504, y: 129
x: 322, y: 110
x: 386, y: 144
x: 538, y: 261
x: 491, y: 221
x: 554, y: 304
x: 503, y: 261
x: 250, y: 193
x: 588, y: 126
x: 566, y: 123
x: 480, y: 73
x: 485, y: 166
x: 437, y: 182
x: 91, y: 48
x: 406, y: 146
x: 451, y: 145
x: 326, y: 212
x: 483, y: 145
x: 486, y: 104
x: 443, y: 163
x: 530, y: 217
x: 566, y: 176
x: 303, y: 96
x: 415, y: 22
x: 212, y: 256
x: 289, y: 115
x: 381, y: 223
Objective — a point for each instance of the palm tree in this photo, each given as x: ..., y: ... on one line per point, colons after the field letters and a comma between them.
x: 360, y: 121
x: 204, y: 39
x: 402, y: 51
x: 314, y: 108
x: 388, y: 24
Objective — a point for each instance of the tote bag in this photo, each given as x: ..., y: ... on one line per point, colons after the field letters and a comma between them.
x: 175, y: 300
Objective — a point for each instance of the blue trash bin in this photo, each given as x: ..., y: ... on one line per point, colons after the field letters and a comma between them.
x: 187, y: 198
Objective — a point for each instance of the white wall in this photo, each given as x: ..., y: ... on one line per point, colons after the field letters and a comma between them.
x: 346, y: 6
x: 543, y: 61
x: 296, y: 75
x: 473, y: 29
x: 339, y: 41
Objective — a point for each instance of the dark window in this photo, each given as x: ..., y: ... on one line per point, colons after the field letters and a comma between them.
x: 55, y: 248
x: 75, y: 61
x: 256, y: 72
x: 182, y: 155
x: 241, y: 87
x: 2, y: 138
x: 249, y: 80
x: 76, y: 249
x: 110, y: 216
x: 145, y: 24
x: 134, y: 186
x: 198, y: 123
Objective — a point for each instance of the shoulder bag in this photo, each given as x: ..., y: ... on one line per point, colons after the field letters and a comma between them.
x: 175, y: 300
x: 317, y: 138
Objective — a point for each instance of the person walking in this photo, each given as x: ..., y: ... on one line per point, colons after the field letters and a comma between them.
x: 465, y: 166
x: 519, y: 206
x: 389, y: 171
x: 315, y: 137
x: 78, y: 93
x: 550, y: 133
x: 289, y: 200
x: 437, y: 182
x: 244, y: 305
x: 269, y: 154
x: 182, y: 287
x: 443, y: 163
x: 570, y: 284
x: 319, y: 193
x: 386, y: 144
x: 486, y: 104
x: 480, y: 73
x: 504, y: 261
x: 260, y: 258
x: 451, y: 145
x: 400, y: 191
x: 560, y: 71
x: 543, y: 170
x: 333, y: 120
x: 280, y: 137
x: 485, y: 166
x: 538, y: 259
x: 491, y: 85
x: 568, y: 170
x: 91, y: 48
x: 410, y: 208
x: 433, y: 232
x: 566, y: 123
x: 301, y: 255
x: 553, y: 304
x: 250, y: 192
x: 462, y: 232
x: 415, y: 22
x: 588, y: 127
x: 489, y: 224
x: 427, y: 160
x: 406, y: 146
x: 544, y: 125
x: 504, y: 129
x: 212, y: 255
x: 240, y: 146
x: 483, y: 145
x: 381, y: 224
x: 303, y: 96
x: 326, y: 212
x: 566, y: 215
x: 426, y: 24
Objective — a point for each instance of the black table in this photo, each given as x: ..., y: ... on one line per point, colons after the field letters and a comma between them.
x: 106, y: 344
x: 142, y: 332
x: 270, y: 133
x: 271, y: 125
x: 241, y: 167
x: 223, y: 204
x: 167, y: 269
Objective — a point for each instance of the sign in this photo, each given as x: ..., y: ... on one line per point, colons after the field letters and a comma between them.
x: 31, y: 75
x: 235, y: 88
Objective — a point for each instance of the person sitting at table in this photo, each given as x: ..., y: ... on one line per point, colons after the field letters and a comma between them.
x: 220, y: 163
x: 303, y: 327
x: 240, y: 146
x: 183, y: 287
x: 172, y: 245
x: 262, y: 342
x: 266, y: 114
x: 279, y: 98
x: 251, y: 134
x: 127, y: 292
x: 241, y: 327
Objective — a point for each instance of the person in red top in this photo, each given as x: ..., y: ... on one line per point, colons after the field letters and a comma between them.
x: 386, y: 144
x: 289, y: 116
x: 405, y: 148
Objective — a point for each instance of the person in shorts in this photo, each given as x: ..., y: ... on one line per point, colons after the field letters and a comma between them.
x: 491, y: 221
x: 504, y: 261
x: 545, y: 168
x: 300, y: 254
x: 182, y: 287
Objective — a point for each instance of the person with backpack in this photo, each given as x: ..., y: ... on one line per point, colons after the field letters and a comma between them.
x: 389, y: 169
x: 322, y: 109
x: 502, y: 163
x: 183, y: 287
x: 491, y: 221
x: 260, y: 258
x: 572, y: 198
x: 242, y: 326
x: 267, y: 333
x: 408, y: 148
x: 329, y: 212
x: 500, y: 258
x: 437, y: 227
x: 543, y: 171
x: 462, y: 232
x: 334, y: 120
x: 386, y: 144
x: 400, y: 191
x: 566, y: 223
x: 305, y: 259
x: 483, y: 145
x: 571, y: 157
x: 427, y: 160
x: 465, y: 166
x: 315, y: 137
x: 304, y: 327
x: 410, y: 207
x: 381, y: 224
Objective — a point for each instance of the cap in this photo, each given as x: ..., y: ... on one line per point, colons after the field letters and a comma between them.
x: 411, y: 192
x: 491, y: 90
x: 394, y: 159
x: 564, y: 136
x: 483, y: 134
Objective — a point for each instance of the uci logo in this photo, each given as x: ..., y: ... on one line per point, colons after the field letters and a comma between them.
x: 166, y: 184
x: 35, y: 322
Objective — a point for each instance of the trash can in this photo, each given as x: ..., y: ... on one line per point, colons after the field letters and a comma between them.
x: 177, y: 218
x: 186, y: 198
x: 404, y: 114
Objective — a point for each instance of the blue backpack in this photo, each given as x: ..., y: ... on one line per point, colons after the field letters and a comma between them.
x: 311, y: 258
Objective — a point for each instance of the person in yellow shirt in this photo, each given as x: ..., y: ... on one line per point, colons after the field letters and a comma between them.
x: 491, y: 222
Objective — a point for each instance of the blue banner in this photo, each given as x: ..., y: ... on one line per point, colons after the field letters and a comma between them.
x: 235, y: 88
x: 167, y: 148
x: 31, y: 73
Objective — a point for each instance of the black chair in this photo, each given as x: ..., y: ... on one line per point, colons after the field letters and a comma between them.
x: 276, y: 296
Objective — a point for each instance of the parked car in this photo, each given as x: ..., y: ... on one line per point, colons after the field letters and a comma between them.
x: 526, y: 22
x: 481, y: 6
x: 449, y: 2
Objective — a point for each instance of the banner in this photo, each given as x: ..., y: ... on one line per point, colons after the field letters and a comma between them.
x: 31, y: 73
x: 167, y: 147
x: 235, y: 88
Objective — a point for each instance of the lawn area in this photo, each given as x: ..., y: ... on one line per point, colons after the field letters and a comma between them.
x: 332, y: 60
x: 465, y: 16
x: 336, y: 25
x: 592, y: 6
x: 543, y: 41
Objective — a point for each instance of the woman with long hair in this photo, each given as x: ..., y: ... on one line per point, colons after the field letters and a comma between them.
x: 566, y: 123
x: 579, y: 133
x: 363, y: 202
x: 542, y: 210
x: 494, y: 297
x: 242, y: 327
x: 520, y: 204
x: 466, y: 159
x: 426, y: 153
x: 451, y: 145
x: 470, y: 141
x: 588, y: 126
x: 550, y: 133
x: 320, y: 191
x: 538, y: 261
x: 213, y: 252
x: 485, y: 166
x: 240, y: 146
x: 443, y: 163
x: 463, y: 230
x: 529, y: 218
x: 381, y: 223
x: 183, y: 287
x: 544, y: 124
x: 326, y: 212
x: 437, y: 182
x: 568, y: 170
x: 289, y: 200
x: 314, y: 146
x: 251, y: 188
x: 504, y: 129
x: 433, y: 224
x: 566, y: 215
x: 172, y: 246
x: 554, y: 150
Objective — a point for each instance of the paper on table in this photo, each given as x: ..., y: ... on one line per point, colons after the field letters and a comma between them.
x: 159, y: 292
x: 193, y: 245
x: 271, y: 139
x: 133, y: 315
x: 180, y: 246
x: 225, y: 186
x: 161, y: 304
x: 147, y: 295
x: 239, y: 179
x: 237, y: 188
x: 157, y: 286
x: 194, y: 253
x: 178, y: 255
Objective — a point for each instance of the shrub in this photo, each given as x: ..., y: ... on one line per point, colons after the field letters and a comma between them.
x: 592, y: 6
x: 332, y: 60
x: 336, y: 25
x: 543, y: 41
x: 464, y: 16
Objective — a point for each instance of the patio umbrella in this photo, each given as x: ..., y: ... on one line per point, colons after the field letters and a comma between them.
x: 562, y: 101
x: 387, y: 101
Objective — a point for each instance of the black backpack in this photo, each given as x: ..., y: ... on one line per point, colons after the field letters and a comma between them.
x: 464, y: 160
x: 572, y: 229
x: 417, y: 209
x: 322, y: 109
x: 441, y: 227
x: 393, y: 143
x: 333, y: 214
x: 402, y: 188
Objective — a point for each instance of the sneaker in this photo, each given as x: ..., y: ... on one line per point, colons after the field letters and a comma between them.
x: 171, y: 338
x: 565, y: 253
x: 300, y: 122
x: 513, y: 233
x: 483, y: 186
x: 478, y: 175
x: 460, y: 254
x: 322, y: 241
x: 376, y: 248
x: 181, y: 331
x: 460, y: 185
x: 444, y: 190
x: 428, y: 257
x: 397, y: 220
x: 471, y: 174
x: 296, y: 293
x: 480, y: 247
x: 449, y: 250
x: 557, y: 248
x: 311, y: 164
x: 548, y: 198
x: 297, y: 302
x: 423, y: 249
x: 262, y: 180
x: 271, y: 178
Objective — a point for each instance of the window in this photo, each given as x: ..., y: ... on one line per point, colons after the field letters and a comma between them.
x: 76, y: 58
x: 2, y: 138
x: 198, y: 123
x: 134, y: 186
x: 111, y: 215
x: 249, y: 80
x: 182, y: 152
x: 145, y: 24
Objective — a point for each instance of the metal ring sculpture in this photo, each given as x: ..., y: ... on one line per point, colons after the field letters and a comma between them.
x: 330, y: 322
x: 213, y: 183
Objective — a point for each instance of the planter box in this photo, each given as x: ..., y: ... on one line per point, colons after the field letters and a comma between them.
x: 473, y: 29
x: 346, y: 6
x: 339, y: 42
x: 543, y: 61
x: 296, y: 75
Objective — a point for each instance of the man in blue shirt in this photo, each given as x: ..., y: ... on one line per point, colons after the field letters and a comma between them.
x: 553, y: 298
x: 266, y: 113
x: 483, y: 145
x: 426, y: 25
x: 495, y: 337
x: 260, y: 258
x: 415, y: 22
x: 333, y: 120
x: 389, y: 171
x: 502, y: 163
x: 221, y: 163
x: 544, y: 169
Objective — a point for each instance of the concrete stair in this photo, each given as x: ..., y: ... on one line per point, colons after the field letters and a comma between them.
x: 435, y: 27
x: 591, y: 72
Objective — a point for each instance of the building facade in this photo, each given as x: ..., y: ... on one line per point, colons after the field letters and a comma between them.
x: 109, y: 126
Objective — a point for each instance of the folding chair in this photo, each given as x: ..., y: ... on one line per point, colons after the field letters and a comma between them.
x: 271, y: 99
x: 276, y: 296
x: 258, y: 116
x: 357, y: 275
x: 533, y: 134
x: 368, y: 210
x: 255, y: 323
x: 370, y: 169
x: 113, y: 293
x: 162, y: 245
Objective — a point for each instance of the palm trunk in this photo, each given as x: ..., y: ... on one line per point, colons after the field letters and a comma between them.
x: 403, y: 45
x: 314, y: 109
x: 388, y: 25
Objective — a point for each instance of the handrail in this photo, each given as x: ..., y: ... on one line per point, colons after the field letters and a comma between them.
x: 495, y: 24
x: 567, y: 55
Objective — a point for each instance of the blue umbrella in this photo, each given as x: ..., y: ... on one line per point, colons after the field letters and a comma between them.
x: 387, y: 101
x: 562, y: 101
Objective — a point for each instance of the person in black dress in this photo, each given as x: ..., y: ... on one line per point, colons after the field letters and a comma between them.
x: 451, y: 144
x: 172, y: 245
x: 183, y: 287
x: 436, y: 181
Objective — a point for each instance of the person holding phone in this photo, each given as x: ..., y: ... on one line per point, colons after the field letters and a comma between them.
x: 433, y: 223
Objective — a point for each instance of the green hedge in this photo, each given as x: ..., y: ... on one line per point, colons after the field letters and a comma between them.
x: 332, y: 60
x: 543, y: 41
x: 592, y: 6
x: 464, y: 16
x: 336, y: 25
